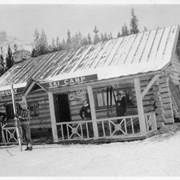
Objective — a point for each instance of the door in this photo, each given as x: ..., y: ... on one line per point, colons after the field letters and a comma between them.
x: 62, y: 108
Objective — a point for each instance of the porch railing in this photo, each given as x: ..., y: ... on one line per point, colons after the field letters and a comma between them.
x: 118, y: 126
x: 8, y: 134
x: 150, y: 120
x: 78, y: 130
x: 115, y: 127
x: 108, y: 128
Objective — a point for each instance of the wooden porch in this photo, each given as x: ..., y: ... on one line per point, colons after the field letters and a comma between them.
x: 131, y: 127
x: 119, y: 128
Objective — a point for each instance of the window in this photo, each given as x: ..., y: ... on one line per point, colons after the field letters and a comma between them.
x: 9, y: 111
x: 32, y: 106
x: 34, y: 109
x: 101, y: 97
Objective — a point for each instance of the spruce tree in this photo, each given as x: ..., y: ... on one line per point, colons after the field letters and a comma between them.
x: 58, y: 45
x: 110, y: 36
x: 9, y: 58
x: 43, y: 44
x: 124, y: 31
x: 118, y: 34
x: 53, y: 45
x: 89, y: 39
x: 105, y: 37
x: 68, y: 42
x: 35, y: 50
x: 96, y: 37
x: 1, y: 63
x: 133, y: 23
x: 36, y: 39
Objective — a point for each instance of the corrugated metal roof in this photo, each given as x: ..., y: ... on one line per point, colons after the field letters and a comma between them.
x: 139, y: 53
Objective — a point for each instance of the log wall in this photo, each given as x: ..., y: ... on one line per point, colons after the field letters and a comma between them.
x: 158, y: 96
x: 163, y: 101
x: 41, y: 97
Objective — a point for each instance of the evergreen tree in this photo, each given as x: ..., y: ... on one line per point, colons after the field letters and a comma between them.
x: 58, y: 45
x: 124, y: 31
x: 89, y: 39
x: 1, y: 63
x: 68, y: 42
x: 105, y: 37
x: 63, y: 44
x: 118, y: 34
x: 84, y: 41
x: 9, y: 59
x: 54, y: 48
x: 133, y: 23
x: 35, y: 50
x: 76, y: 41
x: 96, y: 37
x: 110, y: 36
x: 43, y: 44
x: 36, y: 39
x: 102, y: 37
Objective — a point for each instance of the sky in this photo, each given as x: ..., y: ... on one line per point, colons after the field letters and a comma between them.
x: 56, y: 19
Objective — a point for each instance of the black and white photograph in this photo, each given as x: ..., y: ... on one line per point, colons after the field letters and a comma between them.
x: 89, y: 89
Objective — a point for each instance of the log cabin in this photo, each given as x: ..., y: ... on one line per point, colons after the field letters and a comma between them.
x: 144, y: 67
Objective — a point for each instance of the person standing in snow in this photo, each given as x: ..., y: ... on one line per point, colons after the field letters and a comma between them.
x: 85, y: 111
x: 23, y: 114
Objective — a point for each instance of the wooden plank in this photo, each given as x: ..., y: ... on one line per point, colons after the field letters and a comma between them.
x: 153, y: 80
x: 140, y: 49
x: 169, y: 120
x: 105, y: 55
x: 148, y: 47
x: 162, y: 45
x: 29, y: 89
x: 157, y: 40
x: 53, y: 117
x: 172, y: 42
x: 113, y: 52
x: 140, y: 106
x: 121, y: 50
x: 93, y: 111
x: 118, y: 50
x: 127, y: 49
x: 134, y: 48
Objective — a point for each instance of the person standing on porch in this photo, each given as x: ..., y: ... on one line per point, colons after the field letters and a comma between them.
x: 3, y: 114
x: 23, y: 114
x: 85, y: 111
x: 120, y: 104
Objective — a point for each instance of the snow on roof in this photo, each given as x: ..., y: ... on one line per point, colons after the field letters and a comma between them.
x: 138, y: 53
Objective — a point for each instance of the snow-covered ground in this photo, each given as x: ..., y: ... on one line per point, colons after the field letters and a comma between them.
x: 156, y: 156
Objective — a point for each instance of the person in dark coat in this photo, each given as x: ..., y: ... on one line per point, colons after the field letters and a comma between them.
x: 120, y: 105
x: 3, y: 114
x: 23, y: 114
x: 85, y: 111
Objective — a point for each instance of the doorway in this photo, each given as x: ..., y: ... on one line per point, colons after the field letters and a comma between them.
x: 62, y: 108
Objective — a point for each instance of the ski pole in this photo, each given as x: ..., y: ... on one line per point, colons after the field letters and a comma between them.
x: 16, y: 119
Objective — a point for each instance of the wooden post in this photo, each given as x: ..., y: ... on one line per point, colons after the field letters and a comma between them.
x: 53, y: 117
x: 15, y: 119
x: 140, y: 106
x: 93, y: 112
